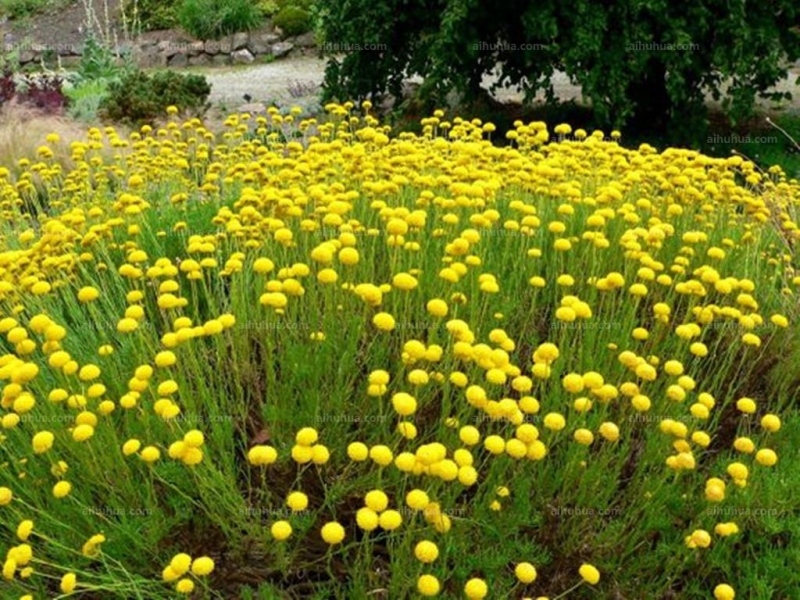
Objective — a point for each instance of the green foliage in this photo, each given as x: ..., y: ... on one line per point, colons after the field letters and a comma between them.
x: 85, y: 99
x: 648, y: 63
x: 212, y: 19
x: 307, y: 5
x: 293, y: 20
x: 152, y: 15
x: 21, y: 9
x: 99, y: 62
x: 98, y: 68
x: 141, y: 98
x: 268, y: 7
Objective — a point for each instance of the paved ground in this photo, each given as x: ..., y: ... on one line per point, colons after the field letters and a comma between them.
x: 297, y: 80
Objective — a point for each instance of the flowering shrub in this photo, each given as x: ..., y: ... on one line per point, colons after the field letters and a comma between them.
x: 304, y: 355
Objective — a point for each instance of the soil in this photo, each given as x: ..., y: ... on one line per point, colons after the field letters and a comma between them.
x: 65, y: 24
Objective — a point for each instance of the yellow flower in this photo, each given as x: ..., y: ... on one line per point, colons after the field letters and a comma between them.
x: 202, y: 566
x: 43, y: 441
x: 165, y: 358
x: 297, y: 501
x: 332, y: 533
x: 525, y: 572
x: 384, y: 321
x: 726, y: 529
x: 88, y: 294
x: 62, y: 489
x: 404, y: 404
x: 699, y: 538
x: 609, y: 431
x: 307, y: 436
x: 376, y: 500
x: 573, y: 383
x: 495, y: 444
x: 583, y: 436
x: 367, y: 519
x: 390, y: 520
x: 348, y: 256
x: 426, y: 551
x: 417, y: 499
x: 357, y: 451
x: 766, y: 457
x: 771, y: 423
x: 24, y: 530
x: 554, y: 421
x: 262, y: 455
x: 724, y: 592
x: 404, y: 281
x: 150, y: 454
x: 281, y: 530
x: 428, y: 585
x: 82, y: 432
x: 589, y: 573
x: 437, y: 308
x: 90, y: 548
x: 746, y: 405
x: 68, y: 583
x: 476, y: 589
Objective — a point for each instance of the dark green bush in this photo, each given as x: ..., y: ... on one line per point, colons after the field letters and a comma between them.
x: 293, y: 20
x: 648, y: 62
x: 213, y: 19
x: 152, y: 15
x: 139, y: 98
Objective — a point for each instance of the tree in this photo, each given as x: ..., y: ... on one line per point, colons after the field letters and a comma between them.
x: 643, y: 61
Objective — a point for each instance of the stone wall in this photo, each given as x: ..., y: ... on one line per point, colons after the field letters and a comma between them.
x: 159, y: 49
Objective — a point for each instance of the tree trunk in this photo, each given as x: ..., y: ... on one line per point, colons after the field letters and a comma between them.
x: 653, y: 105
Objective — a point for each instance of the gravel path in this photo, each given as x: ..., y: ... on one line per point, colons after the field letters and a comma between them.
x: 297, y: 80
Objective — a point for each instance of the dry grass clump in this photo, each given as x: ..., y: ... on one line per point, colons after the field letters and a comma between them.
x: 23, y: 129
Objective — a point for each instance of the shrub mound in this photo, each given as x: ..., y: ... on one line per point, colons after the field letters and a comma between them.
x: 137, y: 97
x: 306, y: 356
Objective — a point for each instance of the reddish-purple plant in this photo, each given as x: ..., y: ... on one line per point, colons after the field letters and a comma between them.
x: 7, y: 87
x: 41, y: 91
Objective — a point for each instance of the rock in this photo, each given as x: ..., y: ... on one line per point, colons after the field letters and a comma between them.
x: 242, y: 57
x: 212, y: 47
x: 252, y: 108
x: 221, y: 59
x: 125, y: 48
x: 25, y: 56
x: 68, y: 62
x: 281, y: 49
x: 261, y: 43
x: 279, y: 32
x: 149, y: 59
x: 168, y: 48
x: 239, y: 41
x: 200, y: 60
x: 306, y: 40
x: 195, y: 48
x: 226, y: 44
x: 178, y: 60
x: 145, y: 45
